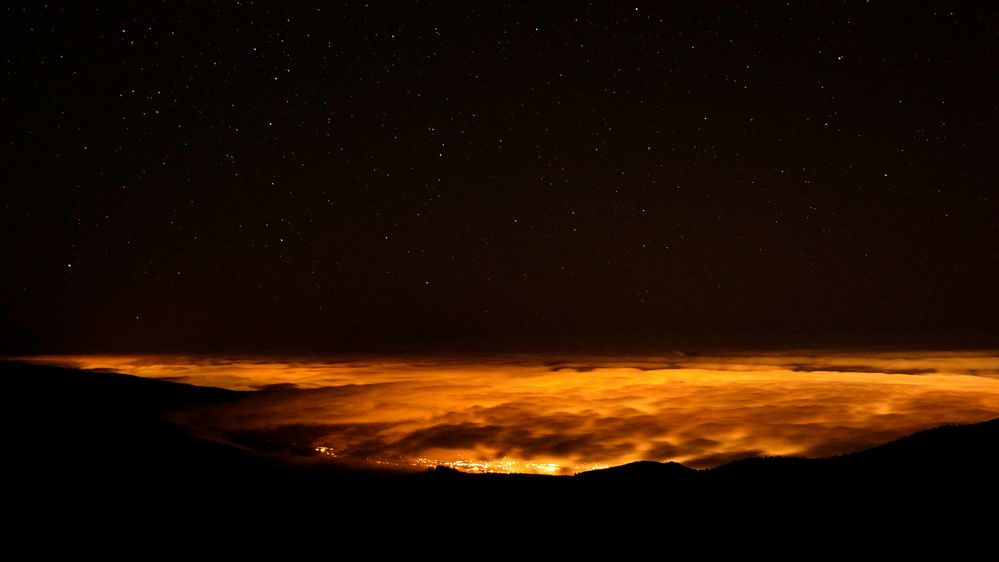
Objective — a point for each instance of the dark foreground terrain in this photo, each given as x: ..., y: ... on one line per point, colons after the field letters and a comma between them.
x: 83, y: 443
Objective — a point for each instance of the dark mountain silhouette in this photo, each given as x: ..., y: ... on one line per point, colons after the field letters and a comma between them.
x: 641, y: 471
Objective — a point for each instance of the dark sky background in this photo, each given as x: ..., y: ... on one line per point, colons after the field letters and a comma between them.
x: 250, y: 175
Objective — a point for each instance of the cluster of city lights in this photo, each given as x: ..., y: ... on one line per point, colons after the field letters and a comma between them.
x: 498, y: 466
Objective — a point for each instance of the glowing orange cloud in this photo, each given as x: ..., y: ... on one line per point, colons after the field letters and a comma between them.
x: 528, y: 414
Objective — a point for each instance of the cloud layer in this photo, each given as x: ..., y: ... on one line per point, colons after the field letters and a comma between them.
x: 564, y: 415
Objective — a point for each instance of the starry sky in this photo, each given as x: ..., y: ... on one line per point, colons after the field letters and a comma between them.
x: 248, y: 175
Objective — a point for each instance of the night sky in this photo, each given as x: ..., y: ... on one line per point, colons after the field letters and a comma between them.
x: 249, y: 175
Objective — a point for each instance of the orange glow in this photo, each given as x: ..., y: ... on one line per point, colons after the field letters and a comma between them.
x: 531, y: 414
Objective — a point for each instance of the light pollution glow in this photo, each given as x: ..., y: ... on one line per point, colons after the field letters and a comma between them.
x: 530, y: 413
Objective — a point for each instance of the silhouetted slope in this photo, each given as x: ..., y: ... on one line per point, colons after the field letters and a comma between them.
x: 974, y: 447
x: 73, y: 426
x: 641, y: 471
x: 948, y: 464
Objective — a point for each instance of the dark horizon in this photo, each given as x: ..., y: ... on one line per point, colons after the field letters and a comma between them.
x: 257, y: 178
x: 111, y: 441
x: 621, y: 344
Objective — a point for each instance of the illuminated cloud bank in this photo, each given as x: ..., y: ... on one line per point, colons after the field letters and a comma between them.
x: 539, y: 414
